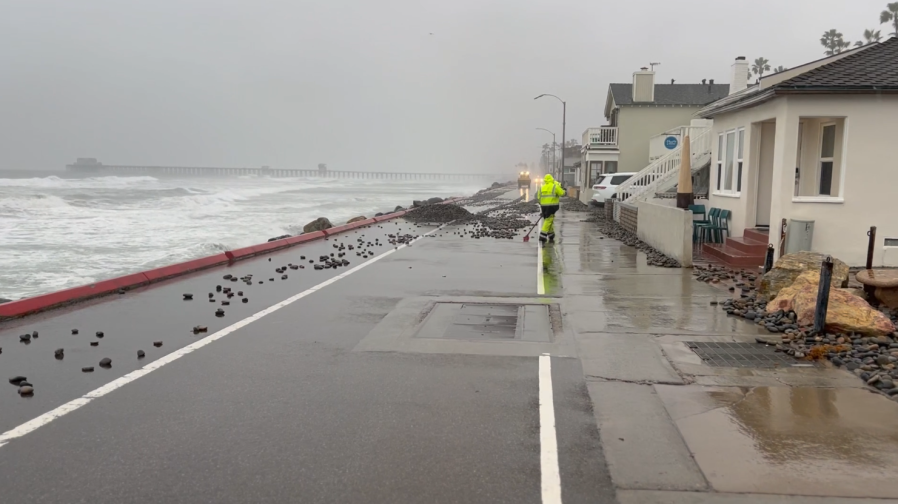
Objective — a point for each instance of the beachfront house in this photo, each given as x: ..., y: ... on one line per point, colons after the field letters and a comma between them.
x: 814, y: 147
x: 636, y: 113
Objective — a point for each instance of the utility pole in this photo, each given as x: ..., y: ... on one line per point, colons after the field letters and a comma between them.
x: 556, y: 169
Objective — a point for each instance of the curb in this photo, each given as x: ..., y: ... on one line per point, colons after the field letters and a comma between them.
x: 43, y: 302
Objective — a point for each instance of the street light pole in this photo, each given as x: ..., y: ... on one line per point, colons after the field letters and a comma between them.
x: 553, y: 147
x: 563, y: 132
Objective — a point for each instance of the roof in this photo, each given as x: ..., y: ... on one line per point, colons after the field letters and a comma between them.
x: 870, y: 69
x: 693, y: 95
x: 874, y: 68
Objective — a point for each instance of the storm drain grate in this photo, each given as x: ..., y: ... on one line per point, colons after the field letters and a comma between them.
x: 740, y: 355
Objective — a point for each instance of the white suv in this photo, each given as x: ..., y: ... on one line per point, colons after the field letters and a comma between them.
x: 606, y: 185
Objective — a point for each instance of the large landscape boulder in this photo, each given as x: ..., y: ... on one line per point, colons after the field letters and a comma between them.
x: 846, y: 312
x: 418, y: 203
x: 399, y: 208
x: 356, y: 219
x: 790, y: 266
x: 319, y: 224
x: 434, y: 200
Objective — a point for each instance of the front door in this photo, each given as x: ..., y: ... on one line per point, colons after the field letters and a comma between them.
x: 765, y: 174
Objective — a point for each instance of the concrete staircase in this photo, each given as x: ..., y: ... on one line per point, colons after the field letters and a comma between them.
x: 748, y: 250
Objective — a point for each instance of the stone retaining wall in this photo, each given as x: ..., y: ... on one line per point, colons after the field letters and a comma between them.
x: 609, y: 210
x: 628, y: 217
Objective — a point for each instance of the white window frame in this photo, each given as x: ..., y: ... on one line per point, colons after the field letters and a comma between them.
x: 735, y: 189
x: 821, y: 159
x: 843, y: 165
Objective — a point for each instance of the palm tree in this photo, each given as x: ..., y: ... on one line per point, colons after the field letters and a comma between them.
x: 779, y: 69
x: 832, y: 41
x: 870, y: 37
x: 890, y: 14
x: 760, y: 66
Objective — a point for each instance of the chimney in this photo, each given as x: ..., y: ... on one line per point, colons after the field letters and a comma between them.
x: 711, y: 82
x: 643, y: 86
x: 704, y: 81
x: 739, y: 79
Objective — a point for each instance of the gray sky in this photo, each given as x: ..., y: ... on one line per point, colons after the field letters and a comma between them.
x: 359, y: 84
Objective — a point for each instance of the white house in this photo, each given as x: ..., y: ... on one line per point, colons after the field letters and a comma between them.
x: 817, y: 143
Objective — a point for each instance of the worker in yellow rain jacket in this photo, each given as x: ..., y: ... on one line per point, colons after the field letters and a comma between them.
x: 549, y: 192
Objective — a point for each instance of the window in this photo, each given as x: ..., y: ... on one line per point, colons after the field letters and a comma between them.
x: 719, y: 160
x: 595, y: 172
x: 610, y: 167
x: 729, y: 161
x: 821, y: 156
x: 739, y: 160
x: 798, y: 159
x: 619, y: 179
x: 827, y: 153
x: 599, y: 182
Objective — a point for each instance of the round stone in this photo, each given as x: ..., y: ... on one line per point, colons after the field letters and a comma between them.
x: 87, y: 369
x: 16, y: 380
x: 105, y: 362
x: 157, y: 344
x: 26, y: 390
x: 141, y: 354
x: 100, y: 334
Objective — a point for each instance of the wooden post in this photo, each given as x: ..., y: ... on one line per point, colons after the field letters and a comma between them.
x: 783, y: 238
x: 826, y: 274
x: 768, y: 261
x: 684, y: 184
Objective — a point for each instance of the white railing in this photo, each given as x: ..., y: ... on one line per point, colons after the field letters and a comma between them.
x: 605, y: 136
x: 664, y: 169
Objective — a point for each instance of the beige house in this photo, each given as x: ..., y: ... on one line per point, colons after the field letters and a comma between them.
x: 636, y: 113
x: 814, y: 143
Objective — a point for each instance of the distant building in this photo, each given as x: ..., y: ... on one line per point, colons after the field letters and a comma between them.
x: 637, y: 112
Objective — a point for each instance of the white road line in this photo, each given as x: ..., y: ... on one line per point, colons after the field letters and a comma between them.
x: 548, y: 442
x: 540, y: 284
x: 74, y: 404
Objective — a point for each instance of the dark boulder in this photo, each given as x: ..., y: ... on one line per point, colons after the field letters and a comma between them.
x: 398, y: 208
x: 434, y: 200
x: 4, y: 300
x: 319, y: 224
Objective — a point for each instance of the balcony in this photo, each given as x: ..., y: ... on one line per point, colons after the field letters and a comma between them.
x: 604, y: 137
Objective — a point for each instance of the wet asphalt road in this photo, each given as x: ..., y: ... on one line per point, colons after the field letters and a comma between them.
x: 282, y: 410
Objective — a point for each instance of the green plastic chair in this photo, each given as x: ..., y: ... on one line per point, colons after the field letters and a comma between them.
x: 706, y: 227
x: 700, y: 211
x: 722, y: 225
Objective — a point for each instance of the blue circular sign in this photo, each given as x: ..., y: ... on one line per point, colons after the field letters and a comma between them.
x: 671, y: 142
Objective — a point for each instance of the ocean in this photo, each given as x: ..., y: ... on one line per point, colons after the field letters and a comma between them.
x: 58, y: 232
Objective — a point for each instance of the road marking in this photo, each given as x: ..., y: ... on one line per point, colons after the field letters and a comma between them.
x: 540, y: 283
x: 35, y: 423
x: 548, y: 442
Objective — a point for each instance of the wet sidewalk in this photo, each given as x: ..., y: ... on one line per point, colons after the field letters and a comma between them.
x: 742, y: 425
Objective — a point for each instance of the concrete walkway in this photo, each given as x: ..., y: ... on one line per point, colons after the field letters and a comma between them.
x: 452, y: 371
x: 676, y: 430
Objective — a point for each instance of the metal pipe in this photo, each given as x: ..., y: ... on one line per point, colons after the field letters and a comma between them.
x: 826, y: 274
x: 870, y: 290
